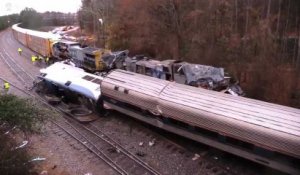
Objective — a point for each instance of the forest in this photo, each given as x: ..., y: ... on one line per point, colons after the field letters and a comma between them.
x: 256, y: 41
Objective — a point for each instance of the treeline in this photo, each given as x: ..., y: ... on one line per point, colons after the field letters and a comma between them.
x: 58, y: 19
x: 256, y: 40
x: 29, y: 18
x: 6, y: 21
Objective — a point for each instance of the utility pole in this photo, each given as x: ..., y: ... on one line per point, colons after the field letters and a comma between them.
x: 103, y: 31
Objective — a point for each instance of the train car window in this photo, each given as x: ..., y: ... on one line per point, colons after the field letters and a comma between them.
x: 68, y: 83
x: 116, y: 88
x: 97, y: 81
x: 88, y: 78
x: 168, y: 77
x: 148, y: 71
x: 178, y: 70
x: 139, y: 69
x: 181, y: 72
x: 165, y: 69
x: 90, y: 55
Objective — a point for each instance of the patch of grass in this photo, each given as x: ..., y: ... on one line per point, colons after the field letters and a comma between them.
x: 22, y: 113
x: 25, y: 115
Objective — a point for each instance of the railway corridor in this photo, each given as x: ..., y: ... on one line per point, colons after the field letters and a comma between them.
x: 65, y: 156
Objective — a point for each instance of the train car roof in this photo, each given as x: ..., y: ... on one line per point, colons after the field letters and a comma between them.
x: 268, y: 115
x: 45, y: 35
x: 239, y: 117
x: 73, y: 78
x: 133, y: 81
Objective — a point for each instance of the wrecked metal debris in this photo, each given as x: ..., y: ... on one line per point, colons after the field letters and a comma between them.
x: 152, y: 142
x: 196, y: 156
x: 37, y: 159
x: 24, y: 143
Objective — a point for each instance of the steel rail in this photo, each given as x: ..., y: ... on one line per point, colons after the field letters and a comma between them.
x: 106, y: 159
x: 112, y: 142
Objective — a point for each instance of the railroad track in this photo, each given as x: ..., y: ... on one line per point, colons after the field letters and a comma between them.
x: 27, y: 53
x: 18, y: 70
x: 105, y: 148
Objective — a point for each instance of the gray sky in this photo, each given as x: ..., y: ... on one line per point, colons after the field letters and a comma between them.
x: 15, y: 6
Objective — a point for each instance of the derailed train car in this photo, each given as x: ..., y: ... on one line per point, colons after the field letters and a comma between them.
x: 40, y: 42
x: 262, y: 132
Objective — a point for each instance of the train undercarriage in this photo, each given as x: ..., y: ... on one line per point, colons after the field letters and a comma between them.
x: 71, y: 103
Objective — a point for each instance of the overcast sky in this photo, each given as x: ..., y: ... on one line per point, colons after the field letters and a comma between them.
x: 16, y: 6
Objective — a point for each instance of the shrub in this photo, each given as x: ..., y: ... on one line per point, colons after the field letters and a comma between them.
x: 26, y: 116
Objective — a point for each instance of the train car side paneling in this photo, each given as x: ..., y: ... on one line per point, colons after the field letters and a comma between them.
x: 20, y: 34
x: 22, y: 38
x: 278, y: 131
x: 40, y: 42
x: 39, y: 45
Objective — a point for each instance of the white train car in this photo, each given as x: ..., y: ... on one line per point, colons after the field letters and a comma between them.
x: 73, y: 79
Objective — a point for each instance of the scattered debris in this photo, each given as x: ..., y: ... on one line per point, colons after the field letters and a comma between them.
x: 152, y: 142
x: 141, y: 143
x: 7, y: 132
x: 54, y: 167
x: 37, y: 159
x: 44, y: 172
x: 196, y: 156
x: 24, y: 143
x: 216, y: 158
x: 115, y: 60
x: 235, y: 90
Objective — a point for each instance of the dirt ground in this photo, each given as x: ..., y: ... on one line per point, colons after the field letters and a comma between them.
x: 63, y: 155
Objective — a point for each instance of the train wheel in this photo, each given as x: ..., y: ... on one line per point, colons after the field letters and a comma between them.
x: 88, y: 103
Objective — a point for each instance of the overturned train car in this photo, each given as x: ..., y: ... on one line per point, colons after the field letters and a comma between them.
x: 252, y: 128
x: 262, y: 132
